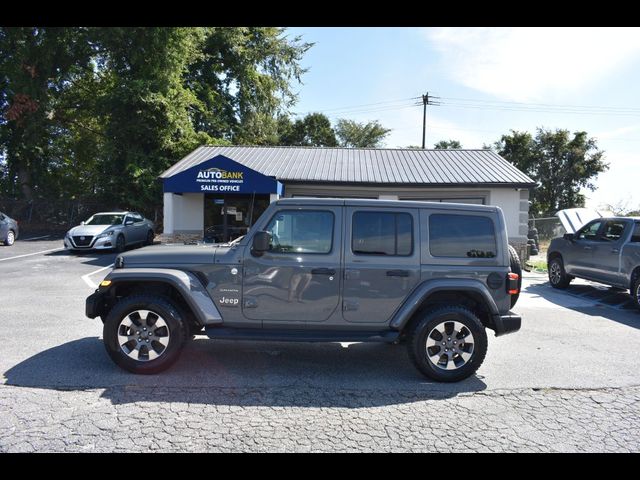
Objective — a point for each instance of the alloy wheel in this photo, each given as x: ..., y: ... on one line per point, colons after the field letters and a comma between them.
x: 450, y: 345
x: 143, y: 335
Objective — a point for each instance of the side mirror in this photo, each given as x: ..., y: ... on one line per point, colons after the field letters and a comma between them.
x: 569, y: 236
x: 82, y: 223
x: 128, y: 222
x: 261, y: 242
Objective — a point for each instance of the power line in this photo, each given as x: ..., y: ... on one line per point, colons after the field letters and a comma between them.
x: 552, y: 105
x: 358, y: 107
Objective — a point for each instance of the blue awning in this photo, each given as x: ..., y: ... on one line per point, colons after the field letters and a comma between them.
x: 221, y: 175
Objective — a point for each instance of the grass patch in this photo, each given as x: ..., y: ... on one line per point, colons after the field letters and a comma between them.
x: 538, y: 266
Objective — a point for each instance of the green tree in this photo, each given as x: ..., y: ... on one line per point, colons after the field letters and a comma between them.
x: 447, y: 145
x: 37, y: 65
x: 353, y: 134
x: 242, y: 77
x: 562, y: 165
x: 314, y: 130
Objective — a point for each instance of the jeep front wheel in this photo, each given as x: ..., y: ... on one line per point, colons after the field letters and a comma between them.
x: 448, y: 344
x: 144, y: 333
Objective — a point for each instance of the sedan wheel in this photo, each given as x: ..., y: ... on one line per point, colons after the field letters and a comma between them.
x: 11, y: 238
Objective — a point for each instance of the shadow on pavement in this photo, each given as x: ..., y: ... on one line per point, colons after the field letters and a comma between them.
x: 616, y: 311
x: 245, y: 374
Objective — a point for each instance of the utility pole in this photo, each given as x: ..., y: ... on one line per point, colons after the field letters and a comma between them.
x: 426, y: 100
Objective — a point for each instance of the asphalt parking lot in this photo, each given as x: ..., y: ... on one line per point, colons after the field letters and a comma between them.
x: 567, y: 381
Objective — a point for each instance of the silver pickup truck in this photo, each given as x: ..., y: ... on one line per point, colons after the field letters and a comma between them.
x: 605, y: 250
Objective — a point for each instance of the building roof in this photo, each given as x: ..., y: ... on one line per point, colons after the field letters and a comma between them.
x: 367, y: 165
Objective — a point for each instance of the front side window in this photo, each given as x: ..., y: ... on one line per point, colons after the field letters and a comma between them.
x: 382, y: 233
x: 453, y: 235
x: 590, y: 231
x: 613, y: 230
x: 301, y: 231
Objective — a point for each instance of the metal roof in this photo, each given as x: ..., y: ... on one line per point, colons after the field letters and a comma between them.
x: 366, y: 165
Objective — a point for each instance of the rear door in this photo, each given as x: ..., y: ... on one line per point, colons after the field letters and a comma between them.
x: 4, y: 226
x: 382, y: 261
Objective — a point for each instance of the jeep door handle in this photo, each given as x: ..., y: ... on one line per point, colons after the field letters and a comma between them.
x: 615, y: 250
x: 323, y: 271
x: 397, y: 273
x: 587, y: 248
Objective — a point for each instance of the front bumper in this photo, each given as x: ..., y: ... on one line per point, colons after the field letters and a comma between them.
x: 507, y: 323
x: 105, y: 243
x: 94, y: 304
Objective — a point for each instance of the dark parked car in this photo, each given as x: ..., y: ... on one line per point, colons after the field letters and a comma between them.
x: 8, y: 230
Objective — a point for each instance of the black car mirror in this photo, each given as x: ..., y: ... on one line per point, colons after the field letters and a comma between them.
x: 261, y: 242
x: 569, y: 236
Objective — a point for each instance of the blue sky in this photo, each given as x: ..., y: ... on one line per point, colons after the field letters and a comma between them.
x: 490, y: 80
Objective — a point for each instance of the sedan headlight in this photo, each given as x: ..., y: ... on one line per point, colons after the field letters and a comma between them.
x: 105, y: 234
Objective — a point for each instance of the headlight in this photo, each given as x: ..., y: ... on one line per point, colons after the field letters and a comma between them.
x: 105, y: 234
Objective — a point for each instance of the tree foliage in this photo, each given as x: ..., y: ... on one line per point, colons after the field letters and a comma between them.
x: 447, y: 145
x: 561, y: 164
x: 314, y: 130
x: 360, y: 135
x: 101, y: 112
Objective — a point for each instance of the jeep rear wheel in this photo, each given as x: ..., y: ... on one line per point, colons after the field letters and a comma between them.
x: 448, y: 344
x: 144, y: 333
x: 516, y: 267
x: 558, y: 278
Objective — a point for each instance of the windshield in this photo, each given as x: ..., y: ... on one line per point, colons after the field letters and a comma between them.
x: 102, y: 219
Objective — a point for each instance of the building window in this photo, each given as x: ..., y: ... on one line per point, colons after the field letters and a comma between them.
x: 301, y: 231
x: 382, y: 233
x: 461, y: 236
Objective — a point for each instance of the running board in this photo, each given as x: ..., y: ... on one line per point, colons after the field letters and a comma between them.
x: 279, y: 335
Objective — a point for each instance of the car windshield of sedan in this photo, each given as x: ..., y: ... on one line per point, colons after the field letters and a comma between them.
x: 105, y: 220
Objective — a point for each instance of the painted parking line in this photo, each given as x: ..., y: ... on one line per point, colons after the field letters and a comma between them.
x: 30, y: 254
x: 35, y: 238
x: 87, y: 278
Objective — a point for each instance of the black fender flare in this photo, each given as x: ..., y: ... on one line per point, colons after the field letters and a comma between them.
x: 187, y: 284
x: 403, y: 315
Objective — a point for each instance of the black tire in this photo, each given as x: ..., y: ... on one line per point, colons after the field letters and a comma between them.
x: 150, y: 237
x: 10, y: 238
x: 159, y: 306
x: 516, y: 267
x: 419, y: 335
x: 558, y: 278
x: 120, y: 245
x: 635, y: 289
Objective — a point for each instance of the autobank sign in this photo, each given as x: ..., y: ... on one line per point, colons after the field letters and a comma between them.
x: 221, y: 175
x: 218, y: 180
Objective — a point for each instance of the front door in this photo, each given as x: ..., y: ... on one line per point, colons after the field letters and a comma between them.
x: 606, y: 253
x: 382, y: 262
x: 298, y: 279
x: 578, y: 258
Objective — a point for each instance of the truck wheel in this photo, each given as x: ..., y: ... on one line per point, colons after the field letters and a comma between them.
x: 558, y: 278
x: 448, y: 344
x: 144, y: 333
x: 516, y: 267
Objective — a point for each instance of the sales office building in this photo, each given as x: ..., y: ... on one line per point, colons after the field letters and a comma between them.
x: 216, y: 193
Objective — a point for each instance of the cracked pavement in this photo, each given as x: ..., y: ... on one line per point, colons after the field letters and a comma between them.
x: 563, y: 383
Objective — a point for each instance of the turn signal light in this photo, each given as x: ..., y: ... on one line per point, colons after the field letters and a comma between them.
x: 105, y: 283
x: 513, y: 283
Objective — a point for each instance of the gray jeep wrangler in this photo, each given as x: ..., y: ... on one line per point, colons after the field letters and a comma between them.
x: 432, y: 275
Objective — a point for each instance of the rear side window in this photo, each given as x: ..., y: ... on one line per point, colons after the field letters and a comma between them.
x: 635, y: 237
x: 461, y: 236
x: 382, y: 233
x: 613, y: 230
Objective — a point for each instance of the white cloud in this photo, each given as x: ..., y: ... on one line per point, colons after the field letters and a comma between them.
x: 527, y: 64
